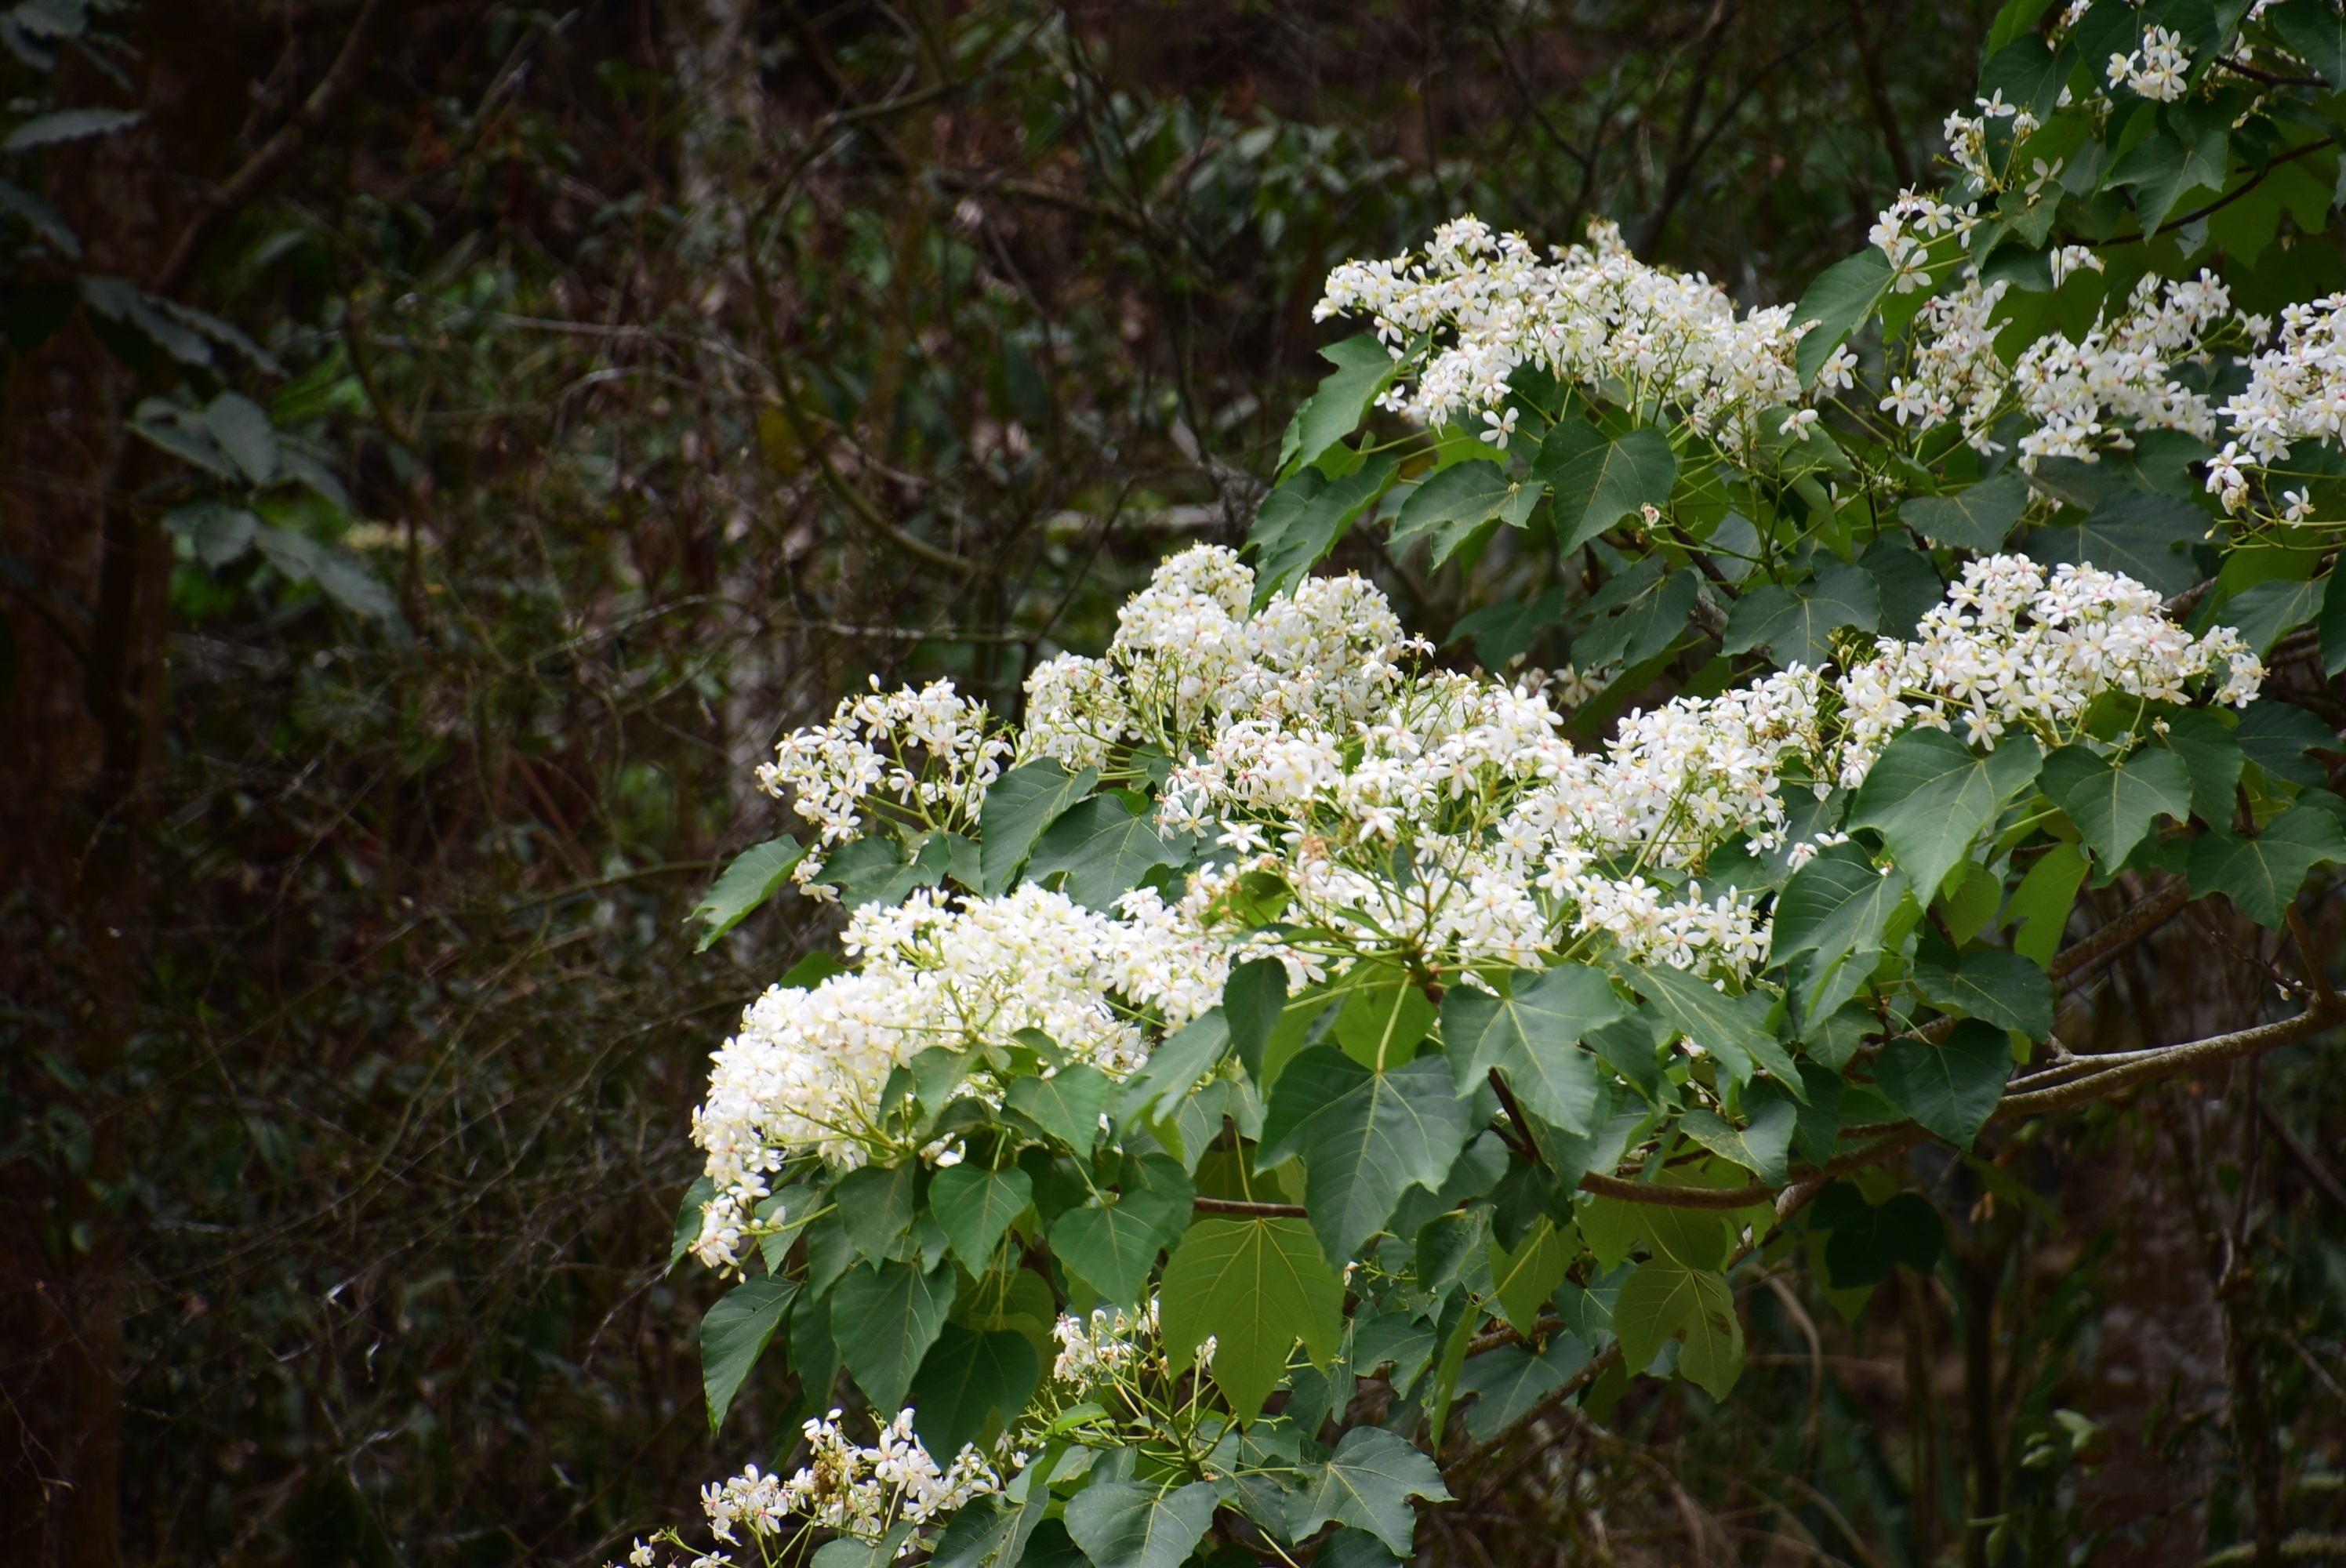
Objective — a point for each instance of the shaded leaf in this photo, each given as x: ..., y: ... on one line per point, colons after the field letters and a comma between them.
x: 1451, y: 503
x: 1286, y: 552
x: 885, y: 1320
x: 1843, y: 295
x: 966, y: 1380
x: 1105, y: 850
x: 1533, y: 1035
x: 975, y: 1205
x: 752, y: 877
x: 1019, y: 806
x: 1364, y: 1137
x: 244, y: 432
x: 1734, y: 1029
x: 733, y: 1336
x: 1367, y: 1483
x: 1759, y: 1146
x: 1949, y: 1088
x: 1501, y: 632
x: 1131, y: 1525
x: 2261, y: 875
x: 2112, y: 801
x: 1795, y: 624
x: 1662, y: 1300
x: 68, y: 125
x: 1524, y: 1275
x: 1979, y: 519
x: 2277, y: 736
x: 1253, y: 998
x: 1599, y: 481
x: 1930, y: 797
x: 1364, y: 369
x: 1993, y: 985
x: 1067, y: 1104
x: 2135, y: 531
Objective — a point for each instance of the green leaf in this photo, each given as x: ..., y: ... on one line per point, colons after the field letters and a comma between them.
x: 1364, y: 368
x: 877, y: 1203
x: 1795, y: 624
x: 966, y: 1380
x: 1866, y: 1242
x: 2038, y: 910
x: 1930, y: 797
x: 1525, y: 1276
x: 2315, y: 33
x: 221, y: 534
x: 68, y: 125
x: 2028, y: 74
x: 689, y: 1217
x: 1115, y: 1246
x: 2211, y: 754
x: 1364, y: 1137
x: 2332, y: 624
x: 2111, y: 801
x: 2276, y: 736
x: 854, y: 1551
x: 2162, y: 167
x: 1734, y: 1029
x: 1283, y: 554
x: 1533, y: 1035
x: 1951, y: 1088
x: 1383, y: 1018
x: 1635, y: 617
x: 2136, y: 533
x: 2263, y: 611
x: 1104, y: 850
x: 1256, y: 1287
x: 975, y: 1205
x: 1993, y: 985
x: 1979, y: 519
x: 886, y: 1319
x: 1839, y: 302
x: 1835, y: 910
x: 990, y: 1532
x: 1022, y: 803
x: 754, y: 875
x: 1508, y: 1381
x: 2261, y: 875
x: 1367, y: 1483
x: 1253, y: 1000
x: 244, y: 432
x: 1597, y: 482
x: 734, y: 1335
x: 44, y: 219
x: 1450, y: 505
x: 1174, y: 1068
x: 1664, y: 1300
x: 1501, y: 632
x: 1131, y: 1525
x: 1066, y: 1105
x: 1759, y: 1146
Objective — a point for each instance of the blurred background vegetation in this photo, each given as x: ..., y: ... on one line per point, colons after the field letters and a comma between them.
x: 445, y: 444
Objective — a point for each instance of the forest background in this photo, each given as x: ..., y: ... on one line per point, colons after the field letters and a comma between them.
x: 610, y: 389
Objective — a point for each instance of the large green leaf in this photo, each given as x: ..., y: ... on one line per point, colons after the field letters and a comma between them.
x: 242, y: 429
x: 2261, y: 875
x: 2263, y: 611
x: 1979, y: 519
x: 1796, y: 625
x: 734, y: 1334
x: 1105, y: 850
x: 1993, y: 984
x: 1662, y: 1300
x: 1115, y: 1243
x: 1951, y: 1088
x: 2028, y: 74
x: 1021, y: 804
x: 1364, y: 369
x: 754, y: 875
x: 1533, y: 1035
x: 1930, y: 797
x: 1174, y: 1068
x: 1836, y: 908
x: 1067, y: 1104
x: 2277, y: 736
x: 877, y: 1203
x: 1843, y: 295
x: 975, y: 1205
x: 1599, y: 481
x: 990, y: 1532
x: 2211, y: 754
x: 1303, y: 535
x: 2112, y: 801
x: 1367, y: 1483
x: 1253, y: 998
x: 966, y: 1380
x: 1734, y: 1029
x: 2162, y: 166
x: 1759, y: 1146
x: 2038, y: 910
x: 1503, y: 631
x: 1255, y: 1286
x: 1364, y: 1137
x: 1508, y: 1381
x: 2135, y: 531
x: 1449, y: 505
x: 886, y: 1319
x: 2315, y: 33
x: 1525, y: 1273
x: 1134, y: 1525
x: 1638, y: 615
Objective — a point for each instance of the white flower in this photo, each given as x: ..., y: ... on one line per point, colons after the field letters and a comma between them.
x: 1501, y: 429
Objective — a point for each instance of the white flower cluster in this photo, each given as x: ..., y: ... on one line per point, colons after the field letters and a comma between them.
x: 924, y: 758
x: 2296, y: 391
x: 857, y: 1492
x: 1904, y: 229
x: 1112, y: 1344
x: 2158, y: 69
x: 808, y: 1069
x: 2011, y: 650
x: 1187, y: 654
x: 1595, y: 316
x: 2083, y: 398
x: 1967, y: 138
